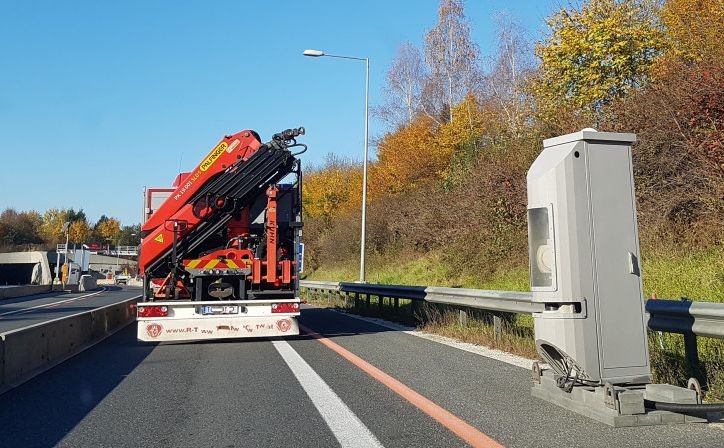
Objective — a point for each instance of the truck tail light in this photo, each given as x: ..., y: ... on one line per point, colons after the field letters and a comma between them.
x: 152, y: 311
x: 285, y: 307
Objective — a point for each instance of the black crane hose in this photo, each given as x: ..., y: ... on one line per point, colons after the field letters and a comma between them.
x: 685, y: 408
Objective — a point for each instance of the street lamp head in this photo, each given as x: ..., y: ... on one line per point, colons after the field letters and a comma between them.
x: 313, y: 53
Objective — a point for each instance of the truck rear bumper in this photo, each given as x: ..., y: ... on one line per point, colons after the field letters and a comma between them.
x: 191, y: 329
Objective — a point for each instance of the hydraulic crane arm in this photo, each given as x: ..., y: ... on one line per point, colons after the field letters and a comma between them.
x: 236, y: 171
x: 230, y: 150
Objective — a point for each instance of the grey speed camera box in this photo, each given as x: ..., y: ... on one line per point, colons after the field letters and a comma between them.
x: 584, y: 259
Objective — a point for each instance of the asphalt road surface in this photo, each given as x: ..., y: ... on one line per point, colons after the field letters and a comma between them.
x: 22, y: 312
x: 350, y: 383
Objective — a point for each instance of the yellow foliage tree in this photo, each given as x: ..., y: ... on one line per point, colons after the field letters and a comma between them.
x: 52, y: 225
x: 408, y: 157
x: 51, y: 228
x: 334, y: 189
x: 417, y: 154
x: 109, y: 229
x: 597, y: 54
x: 695, y: 27
x: 79, y: 231
x: 471, y: 123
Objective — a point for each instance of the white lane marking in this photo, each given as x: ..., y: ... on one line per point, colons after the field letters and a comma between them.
x: 47, y: 305
x: 345, y: 425
x: 492, y: 353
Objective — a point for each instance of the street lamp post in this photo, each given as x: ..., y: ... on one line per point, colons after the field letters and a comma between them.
x: 316, y: 54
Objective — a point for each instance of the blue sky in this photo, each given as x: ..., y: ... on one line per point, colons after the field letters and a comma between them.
x: 99, y: 98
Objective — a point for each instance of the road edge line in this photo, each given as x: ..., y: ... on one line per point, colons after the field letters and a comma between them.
x: 453, y: 423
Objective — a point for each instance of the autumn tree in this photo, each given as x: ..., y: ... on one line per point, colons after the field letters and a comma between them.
x: 79, y: 231
x: 108, y: 228
x: 403, y: 87
x: 596, y: 54
x: 450, y: 136
x: 407, y: 158
x: 54, y: 219
x: 697, y: 64
x: 19, y: 228
x: 452, y: 57
x: 333, y: 189
x: 695, y: 28
x: 52, y: 225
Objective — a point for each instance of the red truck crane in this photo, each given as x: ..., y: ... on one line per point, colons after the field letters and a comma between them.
x: 220, y: 255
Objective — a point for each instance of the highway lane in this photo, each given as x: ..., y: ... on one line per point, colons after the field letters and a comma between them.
x: 22, y: 312
x: 256, y: 393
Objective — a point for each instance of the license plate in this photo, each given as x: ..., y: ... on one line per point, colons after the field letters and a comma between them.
x: 214, y: 309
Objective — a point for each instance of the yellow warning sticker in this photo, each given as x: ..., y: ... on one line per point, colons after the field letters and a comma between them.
x: 159, y: 238
x: 213, y: 155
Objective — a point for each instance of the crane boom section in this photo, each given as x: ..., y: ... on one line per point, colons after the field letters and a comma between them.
x: 229, y: 150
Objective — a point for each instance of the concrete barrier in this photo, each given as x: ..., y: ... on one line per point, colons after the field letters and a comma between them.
x: 27, y: 352
x: 8, y: 292
x: 88, y: 283
x: 39, y: 274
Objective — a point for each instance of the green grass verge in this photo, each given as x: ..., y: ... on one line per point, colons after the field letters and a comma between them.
x: 428, y: 270
x: 698, y: 275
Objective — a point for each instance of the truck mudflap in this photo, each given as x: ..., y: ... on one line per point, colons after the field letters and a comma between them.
x: 191, y: 321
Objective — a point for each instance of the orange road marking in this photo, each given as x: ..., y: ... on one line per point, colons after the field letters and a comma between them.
x: 459, y: 427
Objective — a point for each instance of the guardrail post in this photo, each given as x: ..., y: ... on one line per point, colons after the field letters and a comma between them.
x: 414, y: 306
x: 692, y: 357
x: 380, y: 303
x: 368, y: 299
x: 497, y: 327
x: 397, y: 304
x: 356, y: 300
x: 463, y: 318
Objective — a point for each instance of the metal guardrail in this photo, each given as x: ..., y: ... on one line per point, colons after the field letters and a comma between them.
x: 671, y: 316
x: 130, y: 251
x: 125, y: 250
x: 687, y: 317
x: 334, y: 286
x: 504, y: 301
